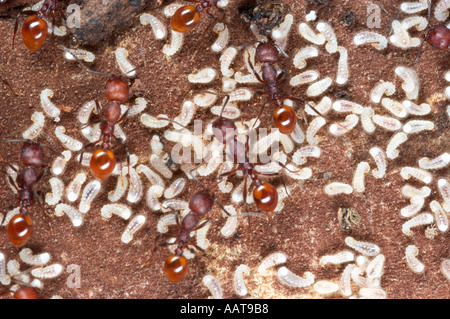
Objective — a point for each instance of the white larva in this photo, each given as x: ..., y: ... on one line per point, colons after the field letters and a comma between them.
x: 424, y: 176
x: 288, y: 278
x: 418, y: 220
x: 441, y: 10
x: 73, y: 190
x: 319, y: 87
x: 340, y: 257
x: 304, y: 78
x: 366, y: 120
x: 158, y: 27
x: 80, y: 54
x: 213, y: 285
x: 306, y: 32
x: 410, y: 191
x: 90, y: 191
x: 176, y: 42
x: 395, y: 107
x: 325, y: 287
x: 223, y: 36
x: 326, y: 29
x: 26, y: 255
x: 314, y: 126
x: 414, y: 264
x: 55, y: 195
x: 336, y: 188
x: 121, y: 210
x: 358, y: 177
x: 133, y: 226
x: 413, y: 208
x: 343, y: 74
x: 35, y: 129
x: 377, y: 40
x: 411, y: 84
x: 175, y: 188
x: 380, y: 160
x: 417, y: 126
x: 205, y: 75
x: 365, y: 248
x: 345, y: 287
x: 382, y: 88
x: 59, y: 164
x: 440, y: 216
x: 67, y: 141
x: 48, y: 272
x: 436, y: 163
x: 302, y: 55
x: 226, y: 59
x: 444, y: 190
x: 341, y: 128
x: 392, y: 151
x: 75, y: 217
x: 47, y: 105
x: 413, y: 7
x: 124, y: 64
x: 387, y: 122
x: 270, y: 261
x: 238, y: 280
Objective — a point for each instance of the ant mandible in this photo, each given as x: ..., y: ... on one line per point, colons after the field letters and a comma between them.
x: 35, y: 29
x: 20, y: 227
x: 187, y: 17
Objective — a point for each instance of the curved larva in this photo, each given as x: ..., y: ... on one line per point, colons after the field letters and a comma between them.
x: 345, y: 287
x: 343, y: 70
x: 213, y: 285
x: 392, y: 147
x: 418, y: 220
x: 340, y: 257
x: 290, y: 279
x: 85, y: 111
x: 223, y: 36
x: 445, y: 268
x: 380, y: 160
x: 304, y: 78
x: 67, y: 141
x: 342, y: 128
x: 314, y: 126
x: 410, y: 83
x: 377, y: 40
x: 407, y: 172
x: 415, y: 207
x: 238, y: 280
x: 226, y: 59
x: 436, y: 163
x: 125, y: 66
x: 439, y: 215
x: 200, y: 235
x: 386, y: 122
x: 158, y: 28
x: 49, y: 108
x: 382, y: 88
x: 319, y: 87
x: 326, y: 29
x: 414, y: 264
x: 270, y: 261
x: 35, y: 129
x: 26, y: 255
x: 441, y: 10
x: 121, y: 210
x: 74, y: 215
x: 410, y: 191
x: 395, y: 107
x: 59, y: 164
x: 336, y: 188
x: 176, y: 42
x: 48, y: 272
x: 133, y: 226
x: 444, y: 190
x: 90, y: 191
x: 365, y: 248
x: 205, y: 75
x: 301, y: 56
x: 358, y: 178
x: 413, y: 7
x: 306, y: 32
x: 175, y: 188
x: 74, y: 188
x: 55, y: 196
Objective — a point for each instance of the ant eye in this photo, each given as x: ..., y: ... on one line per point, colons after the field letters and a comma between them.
x: 175, y: 268
x: 102, y: 163
x: 34, y: 33
x: 19, y: 230
x: 266, y: 197
x: 185, y: 19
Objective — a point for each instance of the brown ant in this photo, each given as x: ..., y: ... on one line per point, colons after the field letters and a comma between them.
x: 187, y: 17
x: 35, y: 29
x: 20, y: 227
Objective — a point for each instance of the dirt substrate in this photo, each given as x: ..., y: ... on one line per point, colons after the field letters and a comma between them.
x: 306, y: 229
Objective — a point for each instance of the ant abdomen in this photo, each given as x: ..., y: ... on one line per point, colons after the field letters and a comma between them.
x: 34, y: 33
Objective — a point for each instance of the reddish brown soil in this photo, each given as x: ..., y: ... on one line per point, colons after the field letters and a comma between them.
x: 306, y: 229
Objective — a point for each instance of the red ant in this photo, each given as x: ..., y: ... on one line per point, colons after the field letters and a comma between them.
x: 20, y: 227
x: 35, y: 29
x: 187, y: 17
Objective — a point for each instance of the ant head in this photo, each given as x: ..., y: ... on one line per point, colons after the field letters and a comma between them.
x: 32, y: 154
x: 224, y: 129
x: 117, y: 89
x: 266, y: 52
x: 201, y: 203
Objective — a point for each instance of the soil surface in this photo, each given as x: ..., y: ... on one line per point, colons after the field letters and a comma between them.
x: 306, y: 229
